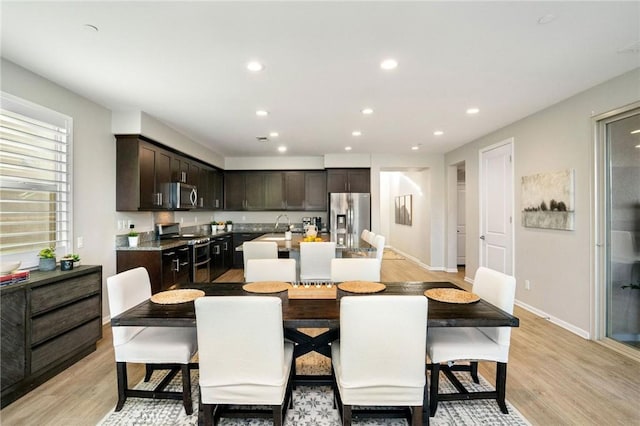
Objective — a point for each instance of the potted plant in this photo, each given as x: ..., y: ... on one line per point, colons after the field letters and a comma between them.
x: 229, y: 225
x: 47, y: 259
x: 133, y: 238
x: 67, y: 261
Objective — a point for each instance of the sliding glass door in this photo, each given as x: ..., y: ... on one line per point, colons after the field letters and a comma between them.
x: 619, y: 152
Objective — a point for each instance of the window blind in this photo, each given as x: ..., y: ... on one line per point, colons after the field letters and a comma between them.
x: 35, y: 180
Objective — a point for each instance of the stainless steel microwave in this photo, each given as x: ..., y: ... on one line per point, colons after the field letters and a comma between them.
x: 183, y: 196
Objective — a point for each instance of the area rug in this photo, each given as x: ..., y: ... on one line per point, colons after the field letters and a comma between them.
x: 312, y: 405
x: 389, y: 254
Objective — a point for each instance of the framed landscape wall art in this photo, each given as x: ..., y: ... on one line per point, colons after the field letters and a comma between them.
x: 548, y: 200
x: 403, y: 209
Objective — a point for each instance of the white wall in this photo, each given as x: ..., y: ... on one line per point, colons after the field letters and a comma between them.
x: 410, y: 240
x: 425, y: 243
x: 94, y: 156
x: 557, y: 263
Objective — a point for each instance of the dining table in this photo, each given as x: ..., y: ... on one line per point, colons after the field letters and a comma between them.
x: 315, y: 313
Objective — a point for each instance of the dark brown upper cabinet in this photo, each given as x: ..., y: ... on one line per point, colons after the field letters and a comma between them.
x: 348, y: 180
x: 142, y: 172
x: 315, y: 189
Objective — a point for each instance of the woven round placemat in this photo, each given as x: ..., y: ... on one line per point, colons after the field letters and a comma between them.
x: 171, y: 297
x: 361, y: 287
x: 266, y: 287
x: 451, y: 295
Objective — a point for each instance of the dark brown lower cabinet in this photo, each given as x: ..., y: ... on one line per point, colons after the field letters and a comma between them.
x: 47, y: 324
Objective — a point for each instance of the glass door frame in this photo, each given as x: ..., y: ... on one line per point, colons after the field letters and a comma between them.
x: 600, y: 225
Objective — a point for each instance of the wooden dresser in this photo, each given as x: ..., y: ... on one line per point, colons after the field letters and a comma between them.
x: 47, y: 324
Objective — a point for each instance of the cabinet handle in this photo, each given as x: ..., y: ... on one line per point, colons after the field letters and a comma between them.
x: 226, y: 246
x: 177, y: 265
x: 201, y: 201
x: 159, y: 198
x: 217, y: 203
x: 345, y: 186
x: 171, y: 253
x: 217, y: 249
x: 184, y: 249
x: 184, y: 264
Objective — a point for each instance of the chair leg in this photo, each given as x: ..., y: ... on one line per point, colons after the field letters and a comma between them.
x: 473, y: 368
x: 207, y: 411
x: 277, y: 415
x: 346, y: 415
x: 186, y: 389
x: 433, y: 398
x: 148, y: 372
x: 416, y: 415
x: 121, y: 373
x: 501, y: 386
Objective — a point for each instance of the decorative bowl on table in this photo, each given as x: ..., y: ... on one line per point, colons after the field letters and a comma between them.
x: 9, y: 267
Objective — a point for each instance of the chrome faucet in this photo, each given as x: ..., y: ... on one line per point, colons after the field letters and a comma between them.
x: 275, y: 228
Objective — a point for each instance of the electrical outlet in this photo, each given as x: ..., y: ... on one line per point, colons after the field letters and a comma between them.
x: 80, y: 242
x: 527, y: 285
x: 181, y: 220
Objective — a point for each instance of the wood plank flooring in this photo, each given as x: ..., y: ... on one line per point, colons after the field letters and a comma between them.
x: 554, y: 377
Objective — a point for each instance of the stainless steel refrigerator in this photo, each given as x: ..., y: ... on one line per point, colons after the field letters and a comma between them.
x: 349, y: 214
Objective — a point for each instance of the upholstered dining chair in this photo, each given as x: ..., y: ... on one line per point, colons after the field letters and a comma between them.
x: 244, y: 359
x: 315, y: 260
x: 172, y: 346
x: 371, y: 237
x: 378, y: 243
x: 355, y: 269
x: 258, y: 250
x: 474, y: 344
x: 270, y: 270
x: 379, y: 359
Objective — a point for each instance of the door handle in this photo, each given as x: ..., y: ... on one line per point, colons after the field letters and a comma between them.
x: 482, y: 237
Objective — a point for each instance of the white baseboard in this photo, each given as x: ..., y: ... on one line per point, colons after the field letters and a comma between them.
x: 106, y: 320
x: 557, y: 321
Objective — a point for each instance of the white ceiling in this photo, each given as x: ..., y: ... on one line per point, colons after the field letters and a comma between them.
x: 184, y: 64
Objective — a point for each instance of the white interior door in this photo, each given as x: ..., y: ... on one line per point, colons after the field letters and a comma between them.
x: 496, y: 207
x: 461, y: 232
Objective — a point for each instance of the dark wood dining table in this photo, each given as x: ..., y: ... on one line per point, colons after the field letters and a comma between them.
x: 319, y: 313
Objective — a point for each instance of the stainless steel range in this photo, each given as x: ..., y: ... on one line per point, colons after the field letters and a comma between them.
x: 199, y: 256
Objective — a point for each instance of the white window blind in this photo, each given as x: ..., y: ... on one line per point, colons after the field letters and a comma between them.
x: 35, y: 180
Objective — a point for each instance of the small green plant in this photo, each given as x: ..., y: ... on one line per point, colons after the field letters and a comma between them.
x: 47, y: 253
x: 133, y: 233
x: 229, y: 222
x: 72, y: 256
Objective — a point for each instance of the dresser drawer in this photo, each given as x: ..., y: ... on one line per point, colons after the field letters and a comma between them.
x: 47, y: 354
x: 56, y: 294
x: 60, y: 320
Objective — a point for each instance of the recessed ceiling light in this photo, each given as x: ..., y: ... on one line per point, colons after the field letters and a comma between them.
x: 90, y: 28
x: 638, y: 146
x: 347, y: 148
x: 438, y: 133
x: 367, y: 111
x: 473, y: 110
x: 255, y: 66
x: 546, y: 19
x: 356, y: 133
x: 262, y: 113
x: 635, y: 131
x: 282, y: 149
x: 415, y: 147
x: 274, y: 134
x: 389, y: 64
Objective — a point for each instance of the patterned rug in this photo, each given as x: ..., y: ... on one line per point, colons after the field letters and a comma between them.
x: 312, y: 406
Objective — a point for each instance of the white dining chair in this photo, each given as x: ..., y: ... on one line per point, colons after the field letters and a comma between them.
x: 173, y: 346
x: 355, y: 269
x: 315, y: 260
x: 378, y: 243
x: 244, y: 359
x: 371, y: 237
x: 379, y: 358
x: 258, y: 250
x: 364, y: 235
x: 445, y: 347
x: 270, y: 270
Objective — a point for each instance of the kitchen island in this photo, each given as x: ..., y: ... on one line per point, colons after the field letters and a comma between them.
x: 359, y: 248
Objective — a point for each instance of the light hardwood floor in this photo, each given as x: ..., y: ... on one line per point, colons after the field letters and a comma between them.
x: 554, y: 377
